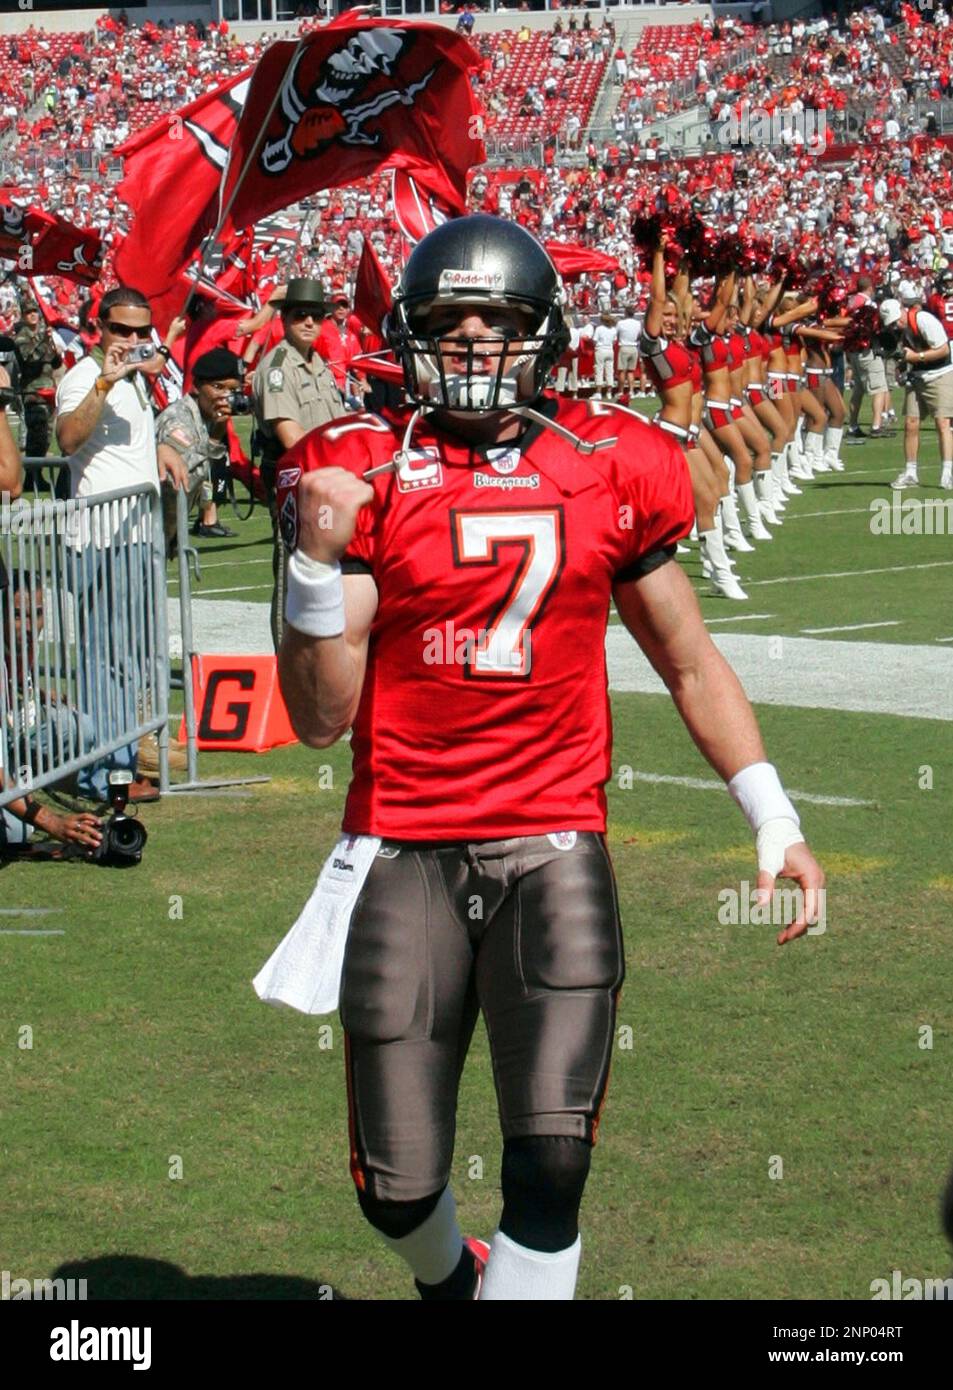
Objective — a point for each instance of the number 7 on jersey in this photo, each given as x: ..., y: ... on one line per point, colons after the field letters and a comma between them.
x: 502, y: 648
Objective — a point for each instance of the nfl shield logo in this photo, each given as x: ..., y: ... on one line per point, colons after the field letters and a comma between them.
x: 563, y: 839
x: 505, y: 460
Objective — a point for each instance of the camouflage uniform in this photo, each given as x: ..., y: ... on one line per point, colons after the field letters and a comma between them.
x: 38, y: 359
x: 288, y: 386
x: 183, y: 429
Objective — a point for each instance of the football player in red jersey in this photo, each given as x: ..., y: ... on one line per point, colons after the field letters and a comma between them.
x: 940, y: 301
x: 448, y: 596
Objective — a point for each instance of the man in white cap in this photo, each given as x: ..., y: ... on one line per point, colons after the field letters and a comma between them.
x: 929, y: 390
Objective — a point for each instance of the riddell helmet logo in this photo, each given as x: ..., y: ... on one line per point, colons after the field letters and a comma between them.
x: 489, y: 280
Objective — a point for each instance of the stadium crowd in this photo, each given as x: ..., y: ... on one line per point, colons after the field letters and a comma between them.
x: 807, y: 236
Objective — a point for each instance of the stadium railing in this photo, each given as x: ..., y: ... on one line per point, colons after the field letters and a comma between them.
x: 84, y: 667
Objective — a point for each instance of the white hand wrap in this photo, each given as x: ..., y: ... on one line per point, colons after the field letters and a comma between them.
x: 773, y: 840
x: 768, y: 810
x: 314, y: 603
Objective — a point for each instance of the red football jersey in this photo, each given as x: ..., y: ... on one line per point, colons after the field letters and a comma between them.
x: 941, y: 308
x: 485, y: 709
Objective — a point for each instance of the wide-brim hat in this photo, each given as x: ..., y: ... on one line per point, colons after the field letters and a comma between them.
x: 305, y: 294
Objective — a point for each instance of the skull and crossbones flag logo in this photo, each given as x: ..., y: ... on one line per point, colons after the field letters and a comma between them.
x: 42, y: 244
x: 350, y: 99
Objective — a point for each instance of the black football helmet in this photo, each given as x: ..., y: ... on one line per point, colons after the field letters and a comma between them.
x: 488, y: 263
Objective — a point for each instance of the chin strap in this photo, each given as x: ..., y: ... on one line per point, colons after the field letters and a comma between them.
x: 400, y: 458
x: 526, y: 412
x: 582, y: 446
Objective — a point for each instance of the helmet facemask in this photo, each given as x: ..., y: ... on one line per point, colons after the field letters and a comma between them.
x: 461, y: 373
x: 499, y: 371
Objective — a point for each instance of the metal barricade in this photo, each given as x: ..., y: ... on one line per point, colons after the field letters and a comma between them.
x: 84, y: 640
x: 188, y: 563
x: 84, y: 667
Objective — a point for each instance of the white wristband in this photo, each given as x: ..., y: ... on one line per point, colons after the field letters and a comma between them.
x: 314, y: 603
x: 758, y: 791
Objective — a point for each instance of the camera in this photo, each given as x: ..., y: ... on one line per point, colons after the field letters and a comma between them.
x: 239, y: 403
x: 142, y: 353
x: 890, y: 343
x: 123, y: 837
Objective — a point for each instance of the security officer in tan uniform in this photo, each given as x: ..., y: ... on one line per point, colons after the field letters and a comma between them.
x: 294, y: 392
x: 38, y: 360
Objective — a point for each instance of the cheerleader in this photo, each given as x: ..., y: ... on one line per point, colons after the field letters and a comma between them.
x: 756, y: 388
x: 676, y: 376
x: 823, y: 446
x: 721, y: 416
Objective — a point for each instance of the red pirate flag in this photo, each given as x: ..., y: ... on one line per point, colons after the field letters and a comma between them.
x: 172, y: 174
x: 43, y: 244
x: 416, y: 211
x: 372, y: 290
x: 351, y: 98
x: 572, y: 261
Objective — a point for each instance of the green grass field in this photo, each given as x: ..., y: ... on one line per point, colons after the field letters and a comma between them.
x: 148, y: 1042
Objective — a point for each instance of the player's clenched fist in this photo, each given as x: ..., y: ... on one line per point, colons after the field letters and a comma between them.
x: 329, y: 500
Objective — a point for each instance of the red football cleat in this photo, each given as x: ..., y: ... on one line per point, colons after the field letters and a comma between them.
x: 480, y: 1250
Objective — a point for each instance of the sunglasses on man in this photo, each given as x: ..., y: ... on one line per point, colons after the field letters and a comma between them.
x: 126, y: 330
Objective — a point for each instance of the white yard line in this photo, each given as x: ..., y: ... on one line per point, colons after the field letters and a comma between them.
x: 29, y: 911
x: 25, y: 931
x: 741, y: 618
x: 239, y: 589
x: 829, y: 673
x: 221, y: 564
x: 849, y: 574
x: 852, y: 627
x: 707, y: 784
x: 857, y: 674
x: 842, y: 511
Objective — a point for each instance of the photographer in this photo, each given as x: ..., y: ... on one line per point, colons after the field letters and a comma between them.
x: 868, y: 372
x: 920, y: 341
x: 105, y: 426
x: 19, y: 818
x: 191, y: 433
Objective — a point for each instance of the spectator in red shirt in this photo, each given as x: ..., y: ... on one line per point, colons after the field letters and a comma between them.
x: 338, y: 344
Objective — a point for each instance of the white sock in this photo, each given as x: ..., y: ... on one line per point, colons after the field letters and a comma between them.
x: 515, y: 1274
x: 911, y: 469
x: 433, y: 1251
x: 946, y: 469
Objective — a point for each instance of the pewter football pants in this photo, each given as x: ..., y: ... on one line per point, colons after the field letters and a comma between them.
x: 522, y: 929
